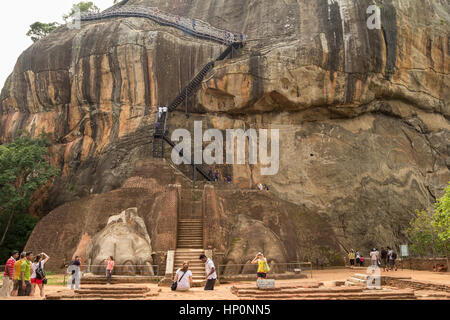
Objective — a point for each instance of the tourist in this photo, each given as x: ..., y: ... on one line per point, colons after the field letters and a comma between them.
x: 75, y: 269
x: 17, y: 266
x: 211, y: 274
x: 361, y: 261
x: 391, y: 259
x: 38, y: 274
x: 109, y: 269
x: 183, y: 277
x: 265, y: 187
x: 8, y: 276
x: 210, y: 172
x: 358, y: 258
x: 352, y: 257
x: 374, y: 257
x: 193, y: 24
x: 260, y: 186
x: 384, y: 255
x: 25, y: 275
x: 229, y: 179
x: 160, y: 111
x: 165, y: 110
x: 216, y: 176
x: 263, y: 267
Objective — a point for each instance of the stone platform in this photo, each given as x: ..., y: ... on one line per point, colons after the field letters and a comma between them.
x: 316, y: 291
x: 106, y: 292
x: 120, y: 279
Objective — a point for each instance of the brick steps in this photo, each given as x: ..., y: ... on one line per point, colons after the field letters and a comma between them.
x: 104, y: 292
x: 297, y: 291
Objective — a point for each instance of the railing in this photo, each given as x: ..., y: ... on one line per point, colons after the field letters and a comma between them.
x: 122, y: 270
x: 275, y: 268
x: 195, y: 27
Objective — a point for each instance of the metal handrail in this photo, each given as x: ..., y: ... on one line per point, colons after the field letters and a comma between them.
x: 275, y: 268
x: 195, y: 27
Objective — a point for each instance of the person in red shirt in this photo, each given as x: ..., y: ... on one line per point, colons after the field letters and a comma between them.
x: 109, y: 269
x: 8, y: 276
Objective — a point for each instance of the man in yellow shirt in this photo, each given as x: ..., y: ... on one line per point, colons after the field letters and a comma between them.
x: 352, y: 257
x: 17, y: 266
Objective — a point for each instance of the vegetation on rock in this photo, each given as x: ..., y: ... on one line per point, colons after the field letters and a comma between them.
x: 82, y: 7
x: 430, y: 232
x: 39, y: 30
x: 24, y: 169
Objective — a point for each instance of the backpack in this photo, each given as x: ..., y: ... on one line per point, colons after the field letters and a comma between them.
x: 40, y: 273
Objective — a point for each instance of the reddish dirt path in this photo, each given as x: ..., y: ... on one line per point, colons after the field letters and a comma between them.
x: 222, y: 292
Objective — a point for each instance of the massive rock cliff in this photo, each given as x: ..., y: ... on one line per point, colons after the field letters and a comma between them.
x: 363, y: 114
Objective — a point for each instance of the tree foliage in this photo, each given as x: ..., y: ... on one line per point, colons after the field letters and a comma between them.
x: 24, y: 168
x: 20, y: 230
x: 441, y: 219
x: 82, y: 7
x: 39, y: 30
x: 430, y: 232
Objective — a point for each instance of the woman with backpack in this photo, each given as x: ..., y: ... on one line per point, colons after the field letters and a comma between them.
x: 38, y: 274
x: 263, y: 266
x: 183, y: 278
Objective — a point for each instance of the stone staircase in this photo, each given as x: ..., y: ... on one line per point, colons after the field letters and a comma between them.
x: 319, y: 292
x: 190, y: 233
x: 112, y: 292
x: 358, y: 279
x: 196, y: 266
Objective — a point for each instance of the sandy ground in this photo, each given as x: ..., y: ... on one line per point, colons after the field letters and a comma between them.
x: 223, y: 292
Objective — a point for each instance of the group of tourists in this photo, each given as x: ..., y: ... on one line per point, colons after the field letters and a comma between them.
x: 183, y: 276
x: 355, y: 258
x: 23, y: 273
x: 385, y: 258
x: 215, y: 176
x: 262, y: 186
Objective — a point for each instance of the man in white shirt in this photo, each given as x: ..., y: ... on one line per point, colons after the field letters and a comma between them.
x: 211, y: 274
x: 374, y: 257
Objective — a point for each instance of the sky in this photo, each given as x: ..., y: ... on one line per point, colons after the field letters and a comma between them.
x: 16, y: 16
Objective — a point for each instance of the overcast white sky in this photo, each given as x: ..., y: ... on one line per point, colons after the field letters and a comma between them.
x: 16, y: 16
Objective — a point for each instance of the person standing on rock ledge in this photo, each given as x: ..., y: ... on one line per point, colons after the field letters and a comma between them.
x: 211, y: 274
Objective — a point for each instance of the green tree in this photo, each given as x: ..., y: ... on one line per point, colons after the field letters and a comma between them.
x: 430, y: 232
x: 39, y: 30
x: 82, y: 7
x: 20, y: 230
x: 441, y: 222
x: 24, y: 168
x: 422, y: 234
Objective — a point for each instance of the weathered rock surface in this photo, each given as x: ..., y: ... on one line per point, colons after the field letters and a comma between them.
x: 125, y: 237
x: 363, y: 114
